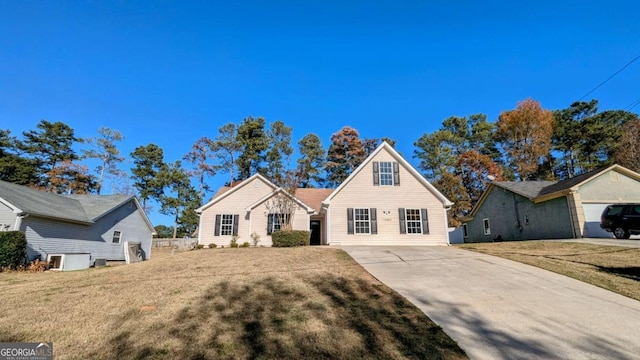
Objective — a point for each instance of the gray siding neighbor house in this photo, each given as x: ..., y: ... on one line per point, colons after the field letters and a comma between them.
x: 98, y: 225
x: 570, y: 208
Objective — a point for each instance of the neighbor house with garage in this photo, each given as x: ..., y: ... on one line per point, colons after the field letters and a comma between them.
x: 97, y: 226
x: 384, y: 201
x: 550, y: 210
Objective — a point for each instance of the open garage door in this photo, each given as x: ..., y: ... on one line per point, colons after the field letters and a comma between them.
x: 592, y: 214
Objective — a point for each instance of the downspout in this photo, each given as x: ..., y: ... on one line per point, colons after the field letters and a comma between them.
x: 573, y: 225
x: 515, y: 205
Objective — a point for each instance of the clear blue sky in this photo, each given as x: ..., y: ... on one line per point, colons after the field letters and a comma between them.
x: 170, y: 72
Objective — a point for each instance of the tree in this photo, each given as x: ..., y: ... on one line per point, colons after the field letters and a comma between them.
x: 13, y: 167
x: 345, y: 153
x: 70, y: 178
x: 452, y: 188
x: 567, y: 135
x: 163, y: 231
x: 106, y: 151
x: 436, y: 158
x: 199, y: 157
x: 148, y: 161
x: 525, y: 134
x: 226, y: 147
x: 311, y: 161
x: 627, y: 153
x: 476, y: 172
x: 279, y: 153
x: 602, y: 133
x: 49, y: 145
x: 254, y: 142
x: 177, y: 192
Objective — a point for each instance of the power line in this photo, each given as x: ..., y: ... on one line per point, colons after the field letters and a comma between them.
x: 610, y: 77
x: 632, y: 105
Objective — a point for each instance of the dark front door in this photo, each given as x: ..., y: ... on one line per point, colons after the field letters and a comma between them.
x: 316, y: 237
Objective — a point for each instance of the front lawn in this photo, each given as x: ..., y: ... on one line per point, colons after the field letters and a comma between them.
x: 611, y: 267
x: 291, y: 303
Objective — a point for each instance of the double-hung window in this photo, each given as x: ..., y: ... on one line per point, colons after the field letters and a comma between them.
x: 413, y: 221
x: 116, y: 237
x: 386, y: 173
x: 362, y: 221
x: 487, y: 226
x: 226, y: 224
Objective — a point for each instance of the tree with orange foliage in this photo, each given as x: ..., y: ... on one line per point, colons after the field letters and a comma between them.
x: 525, y: 135
x: 68, y: 177
x: 477, y: 171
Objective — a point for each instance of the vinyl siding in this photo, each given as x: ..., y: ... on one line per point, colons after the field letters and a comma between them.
x: 259, y: 221
x: 506, y: 213
x: 604, y: 189
x: 361, y: 193
x: 235, y: 203
x: 46, y: 236
x: 7, y: 217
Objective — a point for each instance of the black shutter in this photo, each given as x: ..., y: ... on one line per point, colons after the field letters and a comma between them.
x: 374, y: 221
x: 376, y: 174
x: 425, y: 222
x: 396, y: 174
x: 269, y: 223
x: 350, y: 221
x: 217, y: 230
x: 403, y: 226
x: 236, y: 220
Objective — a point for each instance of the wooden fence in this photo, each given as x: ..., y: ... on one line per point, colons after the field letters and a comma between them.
x: 180, y: 243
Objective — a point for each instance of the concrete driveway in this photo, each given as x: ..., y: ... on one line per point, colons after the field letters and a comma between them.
x: 500, y: 309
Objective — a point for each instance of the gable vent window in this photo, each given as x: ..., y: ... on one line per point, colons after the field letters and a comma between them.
x: 116, y: 237
x: 386, y: 173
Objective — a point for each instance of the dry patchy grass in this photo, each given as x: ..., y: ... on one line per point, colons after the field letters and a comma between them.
x: 611, y: 267
x: 220, y: 304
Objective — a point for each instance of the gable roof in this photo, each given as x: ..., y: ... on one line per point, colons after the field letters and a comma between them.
x: 313, y: 197
x: 541, y: 191
x: 226, y: 191
x: 83, y: 209
x: 286, y: 193
x: 445, y: 202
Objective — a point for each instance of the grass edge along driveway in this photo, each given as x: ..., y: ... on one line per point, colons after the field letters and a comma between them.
x: 220, y: 303
x: 613, y: 268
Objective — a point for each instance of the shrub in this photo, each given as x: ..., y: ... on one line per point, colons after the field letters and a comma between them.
x: 13, y: 249
x: 200, y: 246
x: 234, y: 241
x: 290, y: 238
x: 212, y: 246
x: 255, y: 238
x: 245, y: 244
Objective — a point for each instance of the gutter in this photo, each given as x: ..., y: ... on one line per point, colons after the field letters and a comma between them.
x: 18, y: 223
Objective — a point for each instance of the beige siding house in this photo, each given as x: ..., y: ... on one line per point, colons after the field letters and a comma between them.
x: 385, y: 201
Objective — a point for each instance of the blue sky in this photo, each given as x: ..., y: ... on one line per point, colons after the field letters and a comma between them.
x: 169, y: 72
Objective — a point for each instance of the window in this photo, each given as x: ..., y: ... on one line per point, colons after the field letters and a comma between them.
x: 414, y: 221
x: 276, y: 221
x: 526, y: 219
x: 487, y: 226
x: 226, y: 225
x: 386, y: 173
x: 116, y: 237
x: 465, y: 231
x: 362, y: 221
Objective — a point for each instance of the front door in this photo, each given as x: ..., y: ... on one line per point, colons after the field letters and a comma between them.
x: 316, y: 237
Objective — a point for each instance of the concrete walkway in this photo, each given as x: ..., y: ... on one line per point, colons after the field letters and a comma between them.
x: 500, y: 309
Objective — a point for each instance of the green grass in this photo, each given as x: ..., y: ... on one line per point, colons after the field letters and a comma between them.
x: 264, y: 303
x: 611, y: 267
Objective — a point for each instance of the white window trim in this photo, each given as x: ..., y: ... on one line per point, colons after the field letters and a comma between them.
x: 223, y: 224
x: 380, y: 173
x: 355, y: 232
x: 406, y: 222
x: 526, y: 218
x: 465, y: 231
x: 119, y: 237
x: 487, y: 229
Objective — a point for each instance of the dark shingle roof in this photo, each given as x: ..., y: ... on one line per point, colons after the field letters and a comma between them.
x: 528, y: 189
x: 569, y: 183
x: 76, y: 208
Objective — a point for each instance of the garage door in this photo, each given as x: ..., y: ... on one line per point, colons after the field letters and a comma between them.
x: 592, y: 214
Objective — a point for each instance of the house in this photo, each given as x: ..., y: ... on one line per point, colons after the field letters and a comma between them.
x: 385, y: 201
x: 550, y: 210
x: 97, y: 225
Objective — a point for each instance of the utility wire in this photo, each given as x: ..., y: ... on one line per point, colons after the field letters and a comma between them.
x: 610, y: 77
x: 632, y: 105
